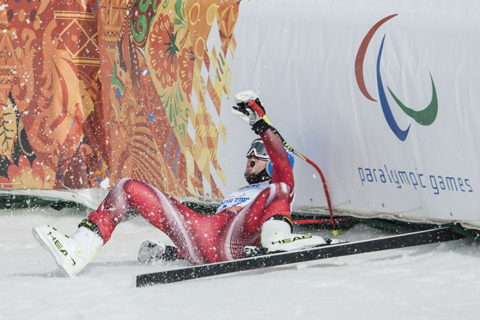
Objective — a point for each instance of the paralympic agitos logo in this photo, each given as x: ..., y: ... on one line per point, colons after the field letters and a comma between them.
x: 424, y: 117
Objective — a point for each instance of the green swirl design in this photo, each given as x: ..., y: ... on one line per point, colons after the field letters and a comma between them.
x: 139, y: 29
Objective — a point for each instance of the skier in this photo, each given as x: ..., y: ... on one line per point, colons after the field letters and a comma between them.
x: 255, y: 215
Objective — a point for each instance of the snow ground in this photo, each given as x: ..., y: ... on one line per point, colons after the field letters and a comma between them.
x: 438, y: 281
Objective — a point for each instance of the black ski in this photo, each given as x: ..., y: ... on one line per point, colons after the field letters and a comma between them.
x: 284, y: 258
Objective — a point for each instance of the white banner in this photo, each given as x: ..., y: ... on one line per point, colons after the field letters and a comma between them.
x: 383, y: 96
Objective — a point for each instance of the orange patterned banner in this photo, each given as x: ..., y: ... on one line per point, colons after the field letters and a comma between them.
x: 95, y: 91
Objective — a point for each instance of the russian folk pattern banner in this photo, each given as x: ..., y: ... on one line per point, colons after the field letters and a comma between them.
x: 94, y: 91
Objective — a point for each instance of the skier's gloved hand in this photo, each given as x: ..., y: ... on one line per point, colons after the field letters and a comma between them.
x: 151, y: 251
x: 243, y: 110
x: 250, y: 109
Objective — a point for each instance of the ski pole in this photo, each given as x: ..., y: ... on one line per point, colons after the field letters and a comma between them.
x: 253, y: 104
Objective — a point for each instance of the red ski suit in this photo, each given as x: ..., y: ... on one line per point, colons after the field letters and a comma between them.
x: 204, y: 238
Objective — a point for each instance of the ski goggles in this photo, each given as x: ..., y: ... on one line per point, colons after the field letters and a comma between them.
x: 258, y: 149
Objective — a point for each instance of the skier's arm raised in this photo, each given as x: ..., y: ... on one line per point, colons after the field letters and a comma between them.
x: 250, y: 108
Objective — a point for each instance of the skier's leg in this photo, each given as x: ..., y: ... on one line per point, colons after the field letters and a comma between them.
x: 73, y: 254
x: 181, y: 224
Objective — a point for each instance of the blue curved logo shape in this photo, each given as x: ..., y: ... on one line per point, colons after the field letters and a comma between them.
x: 387, y: 111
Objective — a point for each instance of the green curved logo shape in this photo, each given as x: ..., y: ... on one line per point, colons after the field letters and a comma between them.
x: 424, y: 117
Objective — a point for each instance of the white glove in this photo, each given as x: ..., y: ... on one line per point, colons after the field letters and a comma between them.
x: 245, y: 112
x: 242, y: 113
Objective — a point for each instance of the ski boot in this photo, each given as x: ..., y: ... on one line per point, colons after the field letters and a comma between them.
x: 72, y: 254
x: 277, y: 236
